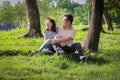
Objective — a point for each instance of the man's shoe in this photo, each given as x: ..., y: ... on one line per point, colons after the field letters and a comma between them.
x: 82, y: 58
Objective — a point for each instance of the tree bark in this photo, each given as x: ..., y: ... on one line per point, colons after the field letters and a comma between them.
x: 107, y: 19
x: 33, y: 19
x: 92, y: 40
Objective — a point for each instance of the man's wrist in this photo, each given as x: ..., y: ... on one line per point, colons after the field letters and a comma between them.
x: 58, y: 41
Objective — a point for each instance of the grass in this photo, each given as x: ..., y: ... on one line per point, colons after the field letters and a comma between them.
x: 17, y: 62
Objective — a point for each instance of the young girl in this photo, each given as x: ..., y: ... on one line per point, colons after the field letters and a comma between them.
x: 49, y: 34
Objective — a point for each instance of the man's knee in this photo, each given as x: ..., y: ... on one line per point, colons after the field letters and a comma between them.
x: 77, y: 44
x: 56, y: 44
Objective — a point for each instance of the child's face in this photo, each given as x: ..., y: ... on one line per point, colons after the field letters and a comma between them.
x: 49, y: 24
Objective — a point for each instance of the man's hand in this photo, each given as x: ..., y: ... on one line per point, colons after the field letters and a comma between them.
x: 53, y: 41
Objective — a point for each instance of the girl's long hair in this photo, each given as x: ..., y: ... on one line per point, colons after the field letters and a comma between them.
x: 53, y: 29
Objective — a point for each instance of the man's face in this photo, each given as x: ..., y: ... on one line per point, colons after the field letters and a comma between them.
x: 65, y: 22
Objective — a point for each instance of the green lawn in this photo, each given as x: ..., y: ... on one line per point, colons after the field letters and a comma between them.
x: 17, y: 62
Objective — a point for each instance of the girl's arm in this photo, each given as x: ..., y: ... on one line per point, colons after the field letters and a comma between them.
x: 45, y: 35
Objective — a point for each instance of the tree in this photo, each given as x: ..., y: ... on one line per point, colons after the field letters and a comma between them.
x: 33, y: 18
x: 113, y: 8
x: 67, y: 4
x: 92, y: 40
x: 107, y: 19
x: 49, y: 10
x: 20, y: 13
x: 7, y: 13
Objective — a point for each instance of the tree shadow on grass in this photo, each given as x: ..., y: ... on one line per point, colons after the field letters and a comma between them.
x: 70, y: 57
x: 14, y: 52
x: 97, y: 60
x: 90, y: 59
x: 21, y: 52
x: 113, y: 33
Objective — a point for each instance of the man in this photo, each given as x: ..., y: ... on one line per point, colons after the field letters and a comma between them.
x: 66, y: 32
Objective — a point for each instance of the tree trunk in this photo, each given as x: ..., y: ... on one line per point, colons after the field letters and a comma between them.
x: 33, y: 19
x: 102, y: 30
x: 107, y: 19
x: 92, y: 40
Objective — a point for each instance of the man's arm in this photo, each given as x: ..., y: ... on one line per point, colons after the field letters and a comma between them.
x: 61, y: 40
x: 65, y: 39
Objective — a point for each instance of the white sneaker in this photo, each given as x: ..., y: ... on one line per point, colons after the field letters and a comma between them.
x: 82, y: 58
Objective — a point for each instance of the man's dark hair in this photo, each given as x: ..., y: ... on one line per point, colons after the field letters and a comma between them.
x: 69, y: 17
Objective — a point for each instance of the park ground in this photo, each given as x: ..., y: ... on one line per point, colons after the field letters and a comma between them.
x: 17, y: 62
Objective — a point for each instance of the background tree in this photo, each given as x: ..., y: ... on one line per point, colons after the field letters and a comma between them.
x: 113, y: 6
x: 111, y: 12
x: 92, y: 40
x: 12, y: 14
x: 20, y: 14
x: 54, y: 9
x: 7, y: 13
x: 76, y: 10
x: 33, y: 19
x: 107, y: 19
x: 48, y: 9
